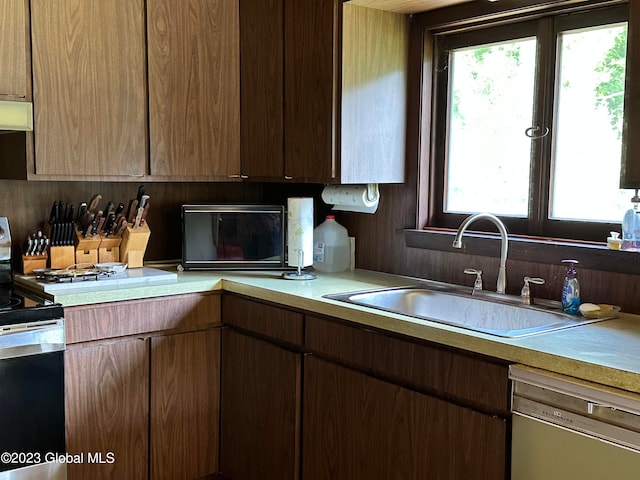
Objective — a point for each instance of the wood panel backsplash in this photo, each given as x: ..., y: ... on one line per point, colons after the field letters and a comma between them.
x: 380, y: 243
x: 27, y: 206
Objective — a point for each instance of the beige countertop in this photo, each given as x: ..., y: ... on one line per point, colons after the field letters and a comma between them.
x: 606, y: 352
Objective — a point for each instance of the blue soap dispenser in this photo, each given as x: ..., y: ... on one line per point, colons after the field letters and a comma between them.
x: 571, y: 289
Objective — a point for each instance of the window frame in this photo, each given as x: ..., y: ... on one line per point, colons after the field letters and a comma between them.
x: 546, y: 26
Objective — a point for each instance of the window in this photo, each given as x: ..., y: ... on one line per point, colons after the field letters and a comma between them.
x: 529, y: 122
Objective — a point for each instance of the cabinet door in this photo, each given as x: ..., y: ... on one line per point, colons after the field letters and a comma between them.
x: 13, y: 54
x: 262, y: 63
x: 356, y: 426
x: 106, y: 409
x: 194, y: 88
x: 310, y: 115
x: 89, y: 89
x: 185, y: 390
x: 260, y: 410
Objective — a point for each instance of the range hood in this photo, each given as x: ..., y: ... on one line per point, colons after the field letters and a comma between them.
x: 16, y: 116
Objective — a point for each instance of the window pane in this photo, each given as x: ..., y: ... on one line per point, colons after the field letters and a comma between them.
x: 490, y: 107
x: 586, y: 167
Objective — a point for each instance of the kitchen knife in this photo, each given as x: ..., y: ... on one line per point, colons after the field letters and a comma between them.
x: 28, y: 245
x: 141, y: 191
x: 53, y: 214
x: 122, y: 225
x: 110, y: 224
x: 133, y: 211
x: 70, y: 209
x: 70, y: 233
x: 63, y: 233
x: 85, y: 221
x: 94, y: 226
x: 143, y: 217
x: 88, y: 226
x: 120, y: 209
x: 54, y: 234
x: 94, y: 202
x: 110, y: 207
x: 82, y: 209
x: 129, y: 207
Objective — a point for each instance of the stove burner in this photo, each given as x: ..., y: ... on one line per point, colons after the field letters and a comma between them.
x: 9, y: 302
x: 74, y: 273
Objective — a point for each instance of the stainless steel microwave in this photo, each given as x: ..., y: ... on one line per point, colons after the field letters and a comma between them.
x: 232, y: 237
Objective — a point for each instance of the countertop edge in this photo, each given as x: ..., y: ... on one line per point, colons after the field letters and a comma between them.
x: 558, y: 352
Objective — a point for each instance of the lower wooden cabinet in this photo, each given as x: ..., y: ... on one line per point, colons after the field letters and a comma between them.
x: 185, y: 400
x: 189, y: 400
x: 148, y: 403
x: 107, y: 409
x: 356, y: 426
x: 366, y: 405
x: 260, y: 421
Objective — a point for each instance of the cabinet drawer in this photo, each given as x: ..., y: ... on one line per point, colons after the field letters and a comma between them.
x: 264, y: 319
x: 116, y: 319
x: 472, y: 379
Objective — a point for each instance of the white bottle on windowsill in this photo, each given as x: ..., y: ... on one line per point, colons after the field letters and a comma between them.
x: 631, y: 226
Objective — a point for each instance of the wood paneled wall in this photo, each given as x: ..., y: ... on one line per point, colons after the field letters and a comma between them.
x: 380, y: 243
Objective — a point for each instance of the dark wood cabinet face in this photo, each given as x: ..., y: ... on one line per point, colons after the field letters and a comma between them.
x: 356, y: 426
x: 260, y: 421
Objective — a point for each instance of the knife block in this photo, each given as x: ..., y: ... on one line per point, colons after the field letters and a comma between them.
x: 86, y: 248
x: 33, y: 262
x: 62, y: 257
x: 134, y: 244
x: 109, y: 249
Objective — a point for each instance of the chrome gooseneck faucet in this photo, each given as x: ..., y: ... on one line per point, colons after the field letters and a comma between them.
x: 501, y: 284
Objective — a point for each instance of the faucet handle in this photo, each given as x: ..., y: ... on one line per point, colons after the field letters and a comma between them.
x: 525, y: 294
x: 477, y: 285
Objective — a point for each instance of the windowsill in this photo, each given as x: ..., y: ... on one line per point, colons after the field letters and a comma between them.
x: 591, y: 255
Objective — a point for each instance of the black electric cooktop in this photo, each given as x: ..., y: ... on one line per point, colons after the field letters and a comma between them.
x: 18, y: 306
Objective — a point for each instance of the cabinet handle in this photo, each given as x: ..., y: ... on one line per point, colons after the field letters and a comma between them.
x: 238, y: 175
x: 288, y: 177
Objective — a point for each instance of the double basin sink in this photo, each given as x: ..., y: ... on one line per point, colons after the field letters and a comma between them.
x: 485, y: 312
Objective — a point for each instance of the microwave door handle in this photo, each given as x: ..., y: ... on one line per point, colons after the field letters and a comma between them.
x: 215, y: 233
x: 216, y: 229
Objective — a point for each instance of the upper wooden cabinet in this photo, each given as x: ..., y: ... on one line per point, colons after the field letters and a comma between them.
x: 630, y: 171
x: 13, y: 54
x: 261, y: 89
x: 336, y: 113
x: 89, y: 88
x: 92, y: 90
x: 194, y: 89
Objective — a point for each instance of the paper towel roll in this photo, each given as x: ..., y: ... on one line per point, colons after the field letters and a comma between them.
x: 300, y: 230
x: 352, y: 198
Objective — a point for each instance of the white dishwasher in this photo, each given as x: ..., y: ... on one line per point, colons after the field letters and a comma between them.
x: 564, y: 428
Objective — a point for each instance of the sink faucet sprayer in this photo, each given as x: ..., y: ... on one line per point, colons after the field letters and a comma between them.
x: 501, y: 284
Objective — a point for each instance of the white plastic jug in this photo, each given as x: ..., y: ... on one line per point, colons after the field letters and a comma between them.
x: 331, y: 250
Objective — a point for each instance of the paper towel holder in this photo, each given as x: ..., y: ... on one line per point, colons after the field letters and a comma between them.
x: 298, y: 274
x: 359, y: 198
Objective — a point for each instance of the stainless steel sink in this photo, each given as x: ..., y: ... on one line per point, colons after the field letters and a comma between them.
x: 490, y: 313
